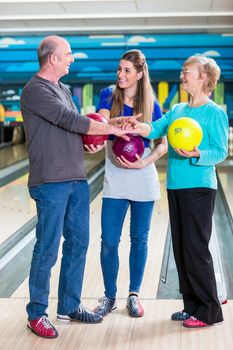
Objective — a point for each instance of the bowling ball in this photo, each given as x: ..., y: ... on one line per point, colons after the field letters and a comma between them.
x: 130, y: 148
x: 95, y: 139
x: 185, y: 133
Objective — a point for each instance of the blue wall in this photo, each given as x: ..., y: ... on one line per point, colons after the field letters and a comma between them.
x: 96, y: 56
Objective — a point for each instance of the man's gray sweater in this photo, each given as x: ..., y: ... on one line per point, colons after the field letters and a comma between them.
x: 52, y: 128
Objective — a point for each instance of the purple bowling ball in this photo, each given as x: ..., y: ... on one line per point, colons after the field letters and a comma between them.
x: 128, y: 149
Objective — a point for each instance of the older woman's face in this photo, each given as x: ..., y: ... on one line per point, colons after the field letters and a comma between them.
x: 191, y: 79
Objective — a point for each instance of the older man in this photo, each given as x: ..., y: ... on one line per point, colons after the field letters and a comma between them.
x: 58, y: 184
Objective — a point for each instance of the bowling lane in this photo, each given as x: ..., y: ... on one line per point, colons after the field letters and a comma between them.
x: 16, y: 206
x: 221, y: 245
x: 12, y: 154
x: 224, y: 223
x: 225, y: 175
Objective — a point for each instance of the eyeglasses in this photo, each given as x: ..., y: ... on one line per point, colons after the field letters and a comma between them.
x: 185, y: 71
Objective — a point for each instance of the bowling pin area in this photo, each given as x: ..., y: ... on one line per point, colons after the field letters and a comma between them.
x: 159, y: 294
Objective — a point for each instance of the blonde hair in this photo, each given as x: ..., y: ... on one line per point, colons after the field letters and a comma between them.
x: 210, y: 68
x: 144, y: 98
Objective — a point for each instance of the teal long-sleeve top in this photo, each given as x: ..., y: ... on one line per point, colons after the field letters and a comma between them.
x: 195, y: 172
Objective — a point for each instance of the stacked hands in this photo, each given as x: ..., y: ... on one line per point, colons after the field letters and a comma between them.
x: 131, y: 125
x: 121, y: 127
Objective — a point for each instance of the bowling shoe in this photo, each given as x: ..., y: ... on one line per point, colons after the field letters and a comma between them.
x: 134, y: 307
x: 106, y: 306
x: 193, y: 322
x: 179, y: 316
x: 82, y: 314
x: 42, y: 327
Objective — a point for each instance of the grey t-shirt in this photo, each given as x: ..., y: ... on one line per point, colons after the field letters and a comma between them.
x: 52, y: 128
x: 139, y: 185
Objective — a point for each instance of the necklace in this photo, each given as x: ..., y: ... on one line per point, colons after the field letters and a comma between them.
x: 129, y: 101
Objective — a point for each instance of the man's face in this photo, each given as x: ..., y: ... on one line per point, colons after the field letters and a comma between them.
x: 64, y: 58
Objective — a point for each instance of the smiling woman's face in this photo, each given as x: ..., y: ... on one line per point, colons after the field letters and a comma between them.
x: 191, y: 78
x: 127, y: 76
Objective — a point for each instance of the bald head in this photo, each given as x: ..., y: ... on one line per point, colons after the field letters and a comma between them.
x: 47, y: 47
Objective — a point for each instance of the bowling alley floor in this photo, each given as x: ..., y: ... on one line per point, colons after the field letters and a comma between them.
x: 118, y: 331
x: 12, y: 154
x: 15, y: 201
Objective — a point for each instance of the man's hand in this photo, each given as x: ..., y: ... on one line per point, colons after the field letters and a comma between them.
x: 94, y: 149
x: 188, y: 154
x: 119, y: 132
x: 98, y: 128
x: 125, y: 122
x: 132, y: 125
x: 121, y: 126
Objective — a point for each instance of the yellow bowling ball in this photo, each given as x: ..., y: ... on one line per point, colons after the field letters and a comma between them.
x: 185, y: 133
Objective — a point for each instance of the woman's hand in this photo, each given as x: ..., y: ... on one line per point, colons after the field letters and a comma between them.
x: 126, y: 122
x: 93, y: 149
x: 124, y: 163
x: 188, y: 154
x: 129, y: 123
x: 116, y: 121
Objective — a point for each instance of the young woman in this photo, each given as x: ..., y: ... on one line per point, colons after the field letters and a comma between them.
x: 128, y: 184
x: 192, y: 184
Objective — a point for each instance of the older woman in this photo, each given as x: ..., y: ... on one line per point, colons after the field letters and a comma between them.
x: 192, y: 184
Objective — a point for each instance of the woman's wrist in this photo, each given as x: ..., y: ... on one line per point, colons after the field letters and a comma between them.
x: 148, y: 129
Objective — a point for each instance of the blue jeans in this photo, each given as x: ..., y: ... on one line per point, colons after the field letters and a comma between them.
x: 61, y: 208
x: 113, y: 215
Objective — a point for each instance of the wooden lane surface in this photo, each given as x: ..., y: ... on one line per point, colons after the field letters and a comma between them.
x: 16, y: 205
x: 117, y: 332
x: 225, y: 175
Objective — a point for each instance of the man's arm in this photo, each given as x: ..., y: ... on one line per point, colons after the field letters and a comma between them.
x: 45, y: 103
x: 98, y: 128
x: 42, y: 101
